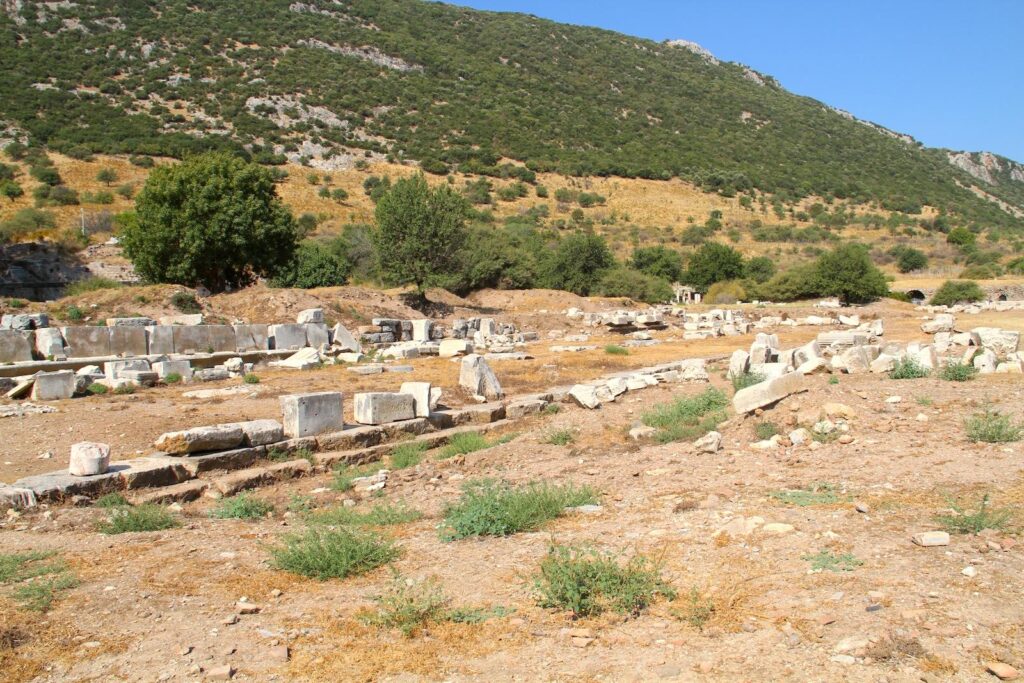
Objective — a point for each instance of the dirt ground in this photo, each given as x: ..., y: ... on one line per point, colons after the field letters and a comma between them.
x: 154, y: 606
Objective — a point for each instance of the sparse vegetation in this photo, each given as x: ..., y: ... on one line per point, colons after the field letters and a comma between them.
x: 587, y: 582
x: 493, y: 508
x: 407, y: 455
x: 409, y: 606
x: 687, y: 418
x: 172, y: 378
x: 697, y: 609
x: 36, y: 581
x: 765, y: 430
x: 345, y: 475
x: 242, y: 506
x: 616, y: 350
x: 111, y: 500
x: 251, y: 378
x: 470, y: 442
x: 97, y: 389
x: 139, y: 518
x: 820, y: 493
x: 984, y: 516
x: 382, y: 514
x: 991, y: 426
x: 324, y: 553
x: 185, y: 302
x: 826, y: 560
x: 747, y: 379
x: 559, y: 437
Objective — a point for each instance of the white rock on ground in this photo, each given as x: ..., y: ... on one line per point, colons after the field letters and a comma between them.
x: 199, y: 439
x: 476, y: 376
x: 88, y: 459
x: 378, y: 407
x: 768, y: 392
x: 340, y: 336
x: 709, y: 443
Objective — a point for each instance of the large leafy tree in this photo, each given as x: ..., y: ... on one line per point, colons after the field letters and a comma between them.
x: 578, y: 263
x: 713, y: 263
x: 214, y: 220
x: 660, y: 262
x: 419, y: 233
x: 847, y: 272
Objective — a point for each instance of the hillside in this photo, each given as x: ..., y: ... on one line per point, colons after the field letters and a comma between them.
x: 331, y: 83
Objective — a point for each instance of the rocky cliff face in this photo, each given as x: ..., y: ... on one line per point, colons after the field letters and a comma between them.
x: 988, y: 167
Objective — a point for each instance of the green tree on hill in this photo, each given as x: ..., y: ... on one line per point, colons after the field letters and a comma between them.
x: 847, y: 272
x: 713, y: 263
x: 214, y: 220
x: 419, y: 233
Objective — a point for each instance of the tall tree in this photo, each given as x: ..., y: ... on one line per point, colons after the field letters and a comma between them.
x: 419, y: 233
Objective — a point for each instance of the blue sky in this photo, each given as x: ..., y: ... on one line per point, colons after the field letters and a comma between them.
x: 950, y: 73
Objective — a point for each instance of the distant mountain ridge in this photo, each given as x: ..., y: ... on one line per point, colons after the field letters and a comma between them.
x: 328, y: 82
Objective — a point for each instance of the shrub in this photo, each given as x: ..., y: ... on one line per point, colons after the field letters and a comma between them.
x: 491, y: 508
x: 251, y: 378
x: 910, y: 259
x: 213, y: 219
x: 409, y: 606
x: 954, y: 292
x: 616, y: 350
x: 92, y: 284
x: 139, y: 518
x: 826, y: 560
x: 74, y: 313
x: 958, y: 372
x: 625, y: 282
x: 961, y: 237
x: 98, y: 389
x: 747, y: 379
x: 111, y: 500
x: 242, y: 506
x: 729, y: 292
x: 587, y: 582
x: 576, y: 264
x: 323, y: 554
x: 759, y: 269
x: 687, y: 418
x: 185, y: 302
x: 407, y: 455
x: 908, y: 368
x: 125, y: 389
x: 765, y: 430
x: 172, y: 378
x: 315, y: 264
x: 992, y: 427
x: 984, y: 517
x: 383, y: 514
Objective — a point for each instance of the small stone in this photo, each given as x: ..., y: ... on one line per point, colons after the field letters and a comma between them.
x: 873, y: 608
x: 228, y: 621
x: 1003, y: 672
x: 276, y: 593
x: 221, y: 673
x: 894, y: 399
x: 777, y: 528
x: 279, y: 654
x: 862, y: 508
x: 247, y: 607
x: 969, y: 571
x: 843, y: 659
x: 845, y: 439
x: 185, y: 650
x: 581, y: 642
x: 929, y: 539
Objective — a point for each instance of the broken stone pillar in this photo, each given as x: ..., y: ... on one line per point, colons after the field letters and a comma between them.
x: 739, y: 364
x: 421, y: 393
x: 53, y: 386
x: 1002, y: 342
x: 768, y: 392
x: 421, y: 330
x: 986, y: 361
x: 942, y: 322
x: 317, y: 335
x: 374, y: 408
x: 113, y: 370
x: 89, y: 459
x: 259, y: 432
x: 340, y: 336
x: 199, y: 439
x: 311, y: 414
x: 476, y: 376
x: 450, y: 348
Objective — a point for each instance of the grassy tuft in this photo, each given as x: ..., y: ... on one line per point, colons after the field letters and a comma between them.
x: 98, y: 389
x: 747, y: 379
x: 124, y: 389
x: 492, y: 508
x: 251, y: 378
x: 815, y: 494
x: 407, y: 455
x: 908, y: 368
x: 242, y: 506
x: 616, y: 350
x: 383, y: 514
x: 36, y: 581
x: 172, y: 378
x: 984, y: 517
x: 958, y: 372
x: 992, y: 427
x: 687, y: 418
x: 322, y: 554
x: 696, y: 610
x: 559, y: 437
x: 92, y: 284
x: 111, y: 500
x: 833, y: 380
x: 552, y: 409
x: 587, y: 582
x: 461, y: 444
x: 408, y: 606
x: 141, y: 518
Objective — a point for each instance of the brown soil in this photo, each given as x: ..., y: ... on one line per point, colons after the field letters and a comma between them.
x: 150, y: 606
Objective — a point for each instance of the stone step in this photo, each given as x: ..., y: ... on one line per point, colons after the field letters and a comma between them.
x: 254, y: 477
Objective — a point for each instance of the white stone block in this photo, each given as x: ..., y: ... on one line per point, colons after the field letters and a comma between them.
x: 89, y: 459
x: 374, y: 408
x: 421, y: 392
x: 311, y: 414
x: 310, y: 315
x: 53, y: 386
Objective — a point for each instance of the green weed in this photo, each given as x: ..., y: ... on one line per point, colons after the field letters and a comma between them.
x: 140, y: 518
x: 407, y: 455
x: 984, y: 517
x: 908, y: 368
x: 382, y: 514
x: 747, y: 379
x: 815, y: 494
x: 826, y: 560
x: 992, y: 427
x: 492, y: 508
x: 958, y: 372
x: 559, y: 437
x: 687, y: 418
x: 323, y: 553
x: 242, y: 506
x: 616, y: 350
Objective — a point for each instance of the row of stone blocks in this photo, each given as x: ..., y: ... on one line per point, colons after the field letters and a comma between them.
x: 91, y: 342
